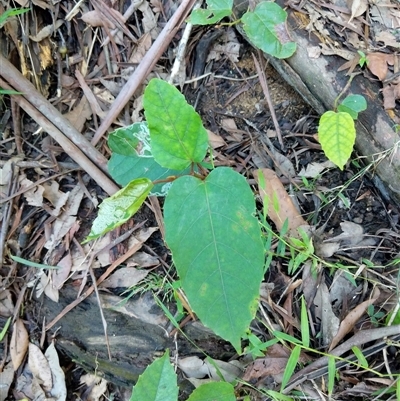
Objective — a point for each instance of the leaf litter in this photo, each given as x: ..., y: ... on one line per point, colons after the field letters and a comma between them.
x: 61, y: 208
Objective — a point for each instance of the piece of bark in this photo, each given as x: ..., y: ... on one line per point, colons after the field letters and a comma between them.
x: 319, y: 83
x: 137, y: 332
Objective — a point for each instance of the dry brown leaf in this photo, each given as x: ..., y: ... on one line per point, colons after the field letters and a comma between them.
x: 389, y: 99
x: 19, y: 343
x: 125, y: 277
x: 377, y: 63
x: 6, y: 303
x: 193, y: 367
x: 46, y: 31
x: 215, y: 140
x: 59, y: 389
x: 94, y: 18
x: 6, y: 379
x: 388, y: 39
x: 358, y: 7
x: 59, y: 276
x: 97, y: 385
x: 39, y: 366
x: 280, y: 205
x: 352, y: 318
x: 143, y: 45
x: 80, y: 113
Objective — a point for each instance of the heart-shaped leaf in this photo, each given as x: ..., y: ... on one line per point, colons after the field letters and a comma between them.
x: 217, y: 249
x: 353, y: 104
x: 216, y: 10
x: 337, y: 134
x: 266, y: 29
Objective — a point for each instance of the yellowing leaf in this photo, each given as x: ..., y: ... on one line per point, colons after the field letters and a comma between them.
x: 337, y: 134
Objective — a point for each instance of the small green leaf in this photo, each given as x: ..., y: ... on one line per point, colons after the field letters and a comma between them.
x: 353, y: 104
x: 337, y: 135
x: 331, y: 374
x: 119, y: 208
x: 178, y: 137
x: 278, y: 396
x: 9, y: 92
x: 360, y: 356
x: 124, y: 140
x: 33, y: 264
x: 215, y: 391
x: 266, y: 29
x: 217, y: 249
x: 157, y: 383
x: 216, y: 10
x: 305, y: 330
x: 286, y: 337
x: 290, y: 366
x: 10, y: 13
x: 5, y: 328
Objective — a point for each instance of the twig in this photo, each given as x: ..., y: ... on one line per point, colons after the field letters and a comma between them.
x: 264, y: 85
x: 145, y: 66
x: 36, y: 100
x: 72, y: 150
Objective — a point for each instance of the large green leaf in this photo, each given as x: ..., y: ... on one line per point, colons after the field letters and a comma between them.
x: 157, y: 383
x: 216, y: 10
x: 217, y: 249
x: 178, y: 137
x: 125, y: 140
x: 215, y: 391
x: 119, y: 208
x: 266, y: 29
x: 337, y: 134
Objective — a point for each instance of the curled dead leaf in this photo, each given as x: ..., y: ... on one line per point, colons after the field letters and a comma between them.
x: 19, y: 343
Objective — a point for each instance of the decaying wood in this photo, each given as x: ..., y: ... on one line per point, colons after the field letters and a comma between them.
x: 319, y: 82
x: 138, y: 332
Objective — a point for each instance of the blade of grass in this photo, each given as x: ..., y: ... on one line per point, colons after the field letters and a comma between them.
x: 290, y: 366
x: 5, y: 328
x: 286, y: 337
x: 278, y: 396
x: 360, y: 356
x: 32, y: 264
x: 305, y: 331
x: 331, y: 374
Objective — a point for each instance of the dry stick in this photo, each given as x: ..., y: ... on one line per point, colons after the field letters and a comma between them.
x: 73, y: 151
x: 264, y: 85
x: 359, y: 339
x: 145, y: 66
x: 36, y: 100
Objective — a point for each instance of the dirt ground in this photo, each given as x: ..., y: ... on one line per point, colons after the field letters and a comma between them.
x: 49, y: 203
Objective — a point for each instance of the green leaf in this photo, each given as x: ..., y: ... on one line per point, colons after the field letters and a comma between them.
x: 125, y: 140
x: 32, y: 264
x: 337, y: 134
x: 9, y: 92
x: 215, y: 391
x: 290, y: 366
x: 132, y: 158
x: 5, y: 328
x: 266, y: 29
x: 360, y: 356
x: 178, y: 137
x: 10, y: 13
x: 119, y: 208
x: 216, y: 10
x: 216, y: 246
x: 331, y: 374
x: 305, y: 330
x: 286, y: 337
x: 352, y: 105
x: 157, y: 383
x: 278, y: 396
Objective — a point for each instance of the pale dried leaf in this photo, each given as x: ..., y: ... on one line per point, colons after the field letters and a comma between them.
x: 193, y: 367
x: 142, y: 259
x: 324, y: 312
x: 143, y: 45
x: 94, y: 18
x: 149, y: 20
x: 98, y: 386
x: 59, y: 389
x: 60, y: 275
x: 377, y: 63
x: 39, y: 366
x: 56, y: 197
x: 215, y: 140
x: 326, y: 249
x: 280, y: 205
x: 79, y: 114
x: 19, y: 343
x: 6, y: 379
x: 341, y: 289
x: 6, y: 303
x: 34, y: 196
x: 388, y: 39
x: 352, y: 318
x: 314, y: 169
x: 125, y: 277
x: 46, y: 285
x: 46, y: 31
x: 358, y: 8
x: 230, y: 371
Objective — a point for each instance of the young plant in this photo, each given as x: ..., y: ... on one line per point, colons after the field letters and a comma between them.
x: 210, y: 226
x: 336, y: 131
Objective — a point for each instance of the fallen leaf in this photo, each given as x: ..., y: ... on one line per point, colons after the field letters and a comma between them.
x: 352, y: 318
x: 79, y: 114
x: 59, y: 389
x: 97, y: 385
x: 358, y: 7
x: 39, y: 366
x: 377, y: 63
x: 314, y: 169
x: 280, y: 205
x: 215, y: 140
x: 19, y: 343
x: 142, y: 46
x: 6, y: 379
x: 6, y: 303
x: 46, y: 31
x: 125, y: 277
x: 94, y: 18
x: 193, y: 367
